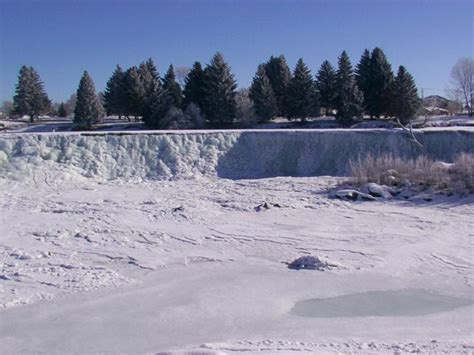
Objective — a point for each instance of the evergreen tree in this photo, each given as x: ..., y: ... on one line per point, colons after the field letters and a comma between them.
x: 302, y: 99
x: 88, y: 110
x: 220, y: 85
x: 326, y: 86
x: 279, y: 74
x: 133, y: 93
x: 152, y: 86
x: 158, y: 106
x: 194, y: 91
x: 262, y: 95
x: 363, y: 75
x: 405, y: 99
x: 30, y: 97
x: 62, y: 110
x: 380, y: 82
x: 173, y: 88
x: 149, y: 76
x: 349, y: 99
x: 113, y: 94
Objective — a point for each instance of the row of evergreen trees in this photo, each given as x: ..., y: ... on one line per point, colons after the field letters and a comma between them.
x: 140, y: 92
x: 371, y: 88
x: 209, y: 95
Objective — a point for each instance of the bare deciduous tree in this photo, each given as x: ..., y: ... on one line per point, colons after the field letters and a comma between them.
x: 181, y: 73
x: 462, y: 77
x: 6, y: 108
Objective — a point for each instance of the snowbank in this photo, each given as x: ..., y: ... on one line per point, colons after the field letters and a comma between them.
x: 229, y: 154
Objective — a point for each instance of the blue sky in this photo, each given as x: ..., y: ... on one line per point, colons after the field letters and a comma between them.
x: 62, y: 38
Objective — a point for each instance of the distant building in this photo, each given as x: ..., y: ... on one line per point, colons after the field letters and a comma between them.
x: 436, y: 105
x: 434, y: 111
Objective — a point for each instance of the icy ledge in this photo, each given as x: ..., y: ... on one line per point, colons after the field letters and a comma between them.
x: 229, y: 154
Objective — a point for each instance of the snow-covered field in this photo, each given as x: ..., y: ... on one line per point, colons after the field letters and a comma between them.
x: 192, y: 260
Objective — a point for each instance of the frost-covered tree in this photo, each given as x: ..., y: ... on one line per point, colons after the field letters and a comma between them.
x: 326, y: 86
x: 245, y: 109
x: 88, y: 110
x: 70, y: 103
x: 62, y: 110
x: 379, y: 84
x: 195, y: 117
x: 181, y: 73
x: 349, y: 99
x: 113, y: 95
x: 173, y: 88
x: 220, y: 86
x: 133, y: 92
x: 302, y: 99
x: 363, y: 75
x: 30, y: 97
x: 262, y: 95
x: 462, y: 78
x: 405, y: 99
x: 7, y: 108
x: 279, y: 75
x: 194, y: 91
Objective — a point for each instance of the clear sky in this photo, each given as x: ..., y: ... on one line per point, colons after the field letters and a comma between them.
x: 62, y: 38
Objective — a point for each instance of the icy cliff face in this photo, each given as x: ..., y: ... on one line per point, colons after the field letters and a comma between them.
x: 228, y: 154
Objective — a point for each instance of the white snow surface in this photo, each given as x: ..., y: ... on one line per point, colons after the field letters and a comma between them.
x: 134, y: 265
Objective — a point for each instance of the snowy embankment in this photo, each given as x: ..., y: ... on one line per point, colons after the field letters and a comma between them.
x: 228, y: 154
x: 94, y: 265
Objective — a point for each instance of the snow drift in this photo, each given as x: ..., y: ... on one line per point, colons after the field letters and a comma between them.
x: 228, y: 154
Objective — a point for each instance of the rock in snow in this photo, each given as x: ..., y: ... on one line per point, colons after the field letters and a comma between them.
x: 309, y: 263
x: 354, y: 195
x: 377, y: 190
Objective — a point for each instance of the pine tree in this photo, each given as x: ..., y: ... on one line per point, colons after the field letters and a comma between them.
x: 113, y: 94
x: 326, y: 86
x: 363, y: 75
x: 220, y: 85
x: 262, y: 95
x: 279, y: 74
x: 30, y: 97
x: 152, y: 87
x: 62, y: 110
x: 88, y: 110
x: 157, y: 108
x: 302, y: 99
x: 149, y: 76
x: 380, y: 82
x: 173, y: 88
x: 349, y: 99
x: 134, y: 93
x: 405, y: 100
x: 194, y: 91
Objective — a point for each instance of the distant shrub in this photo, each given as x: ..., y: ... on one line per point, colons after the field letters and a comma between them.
x: 394, y: 171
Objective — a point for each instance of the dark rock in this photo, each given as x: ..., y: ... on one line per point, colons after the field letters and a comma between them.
x: 308, y: 262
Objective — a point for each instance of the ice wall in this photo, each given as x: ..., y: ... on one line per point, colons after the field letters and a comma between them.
x: 228, y: 154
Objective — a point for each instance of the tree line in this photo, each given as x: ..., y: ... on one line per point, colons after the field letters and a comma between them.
x: 208, y: 97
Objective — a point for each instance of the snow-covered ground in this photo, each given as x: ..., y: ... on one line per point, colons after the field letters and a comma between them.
x: 113, y: 124
x: 137, y: 265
